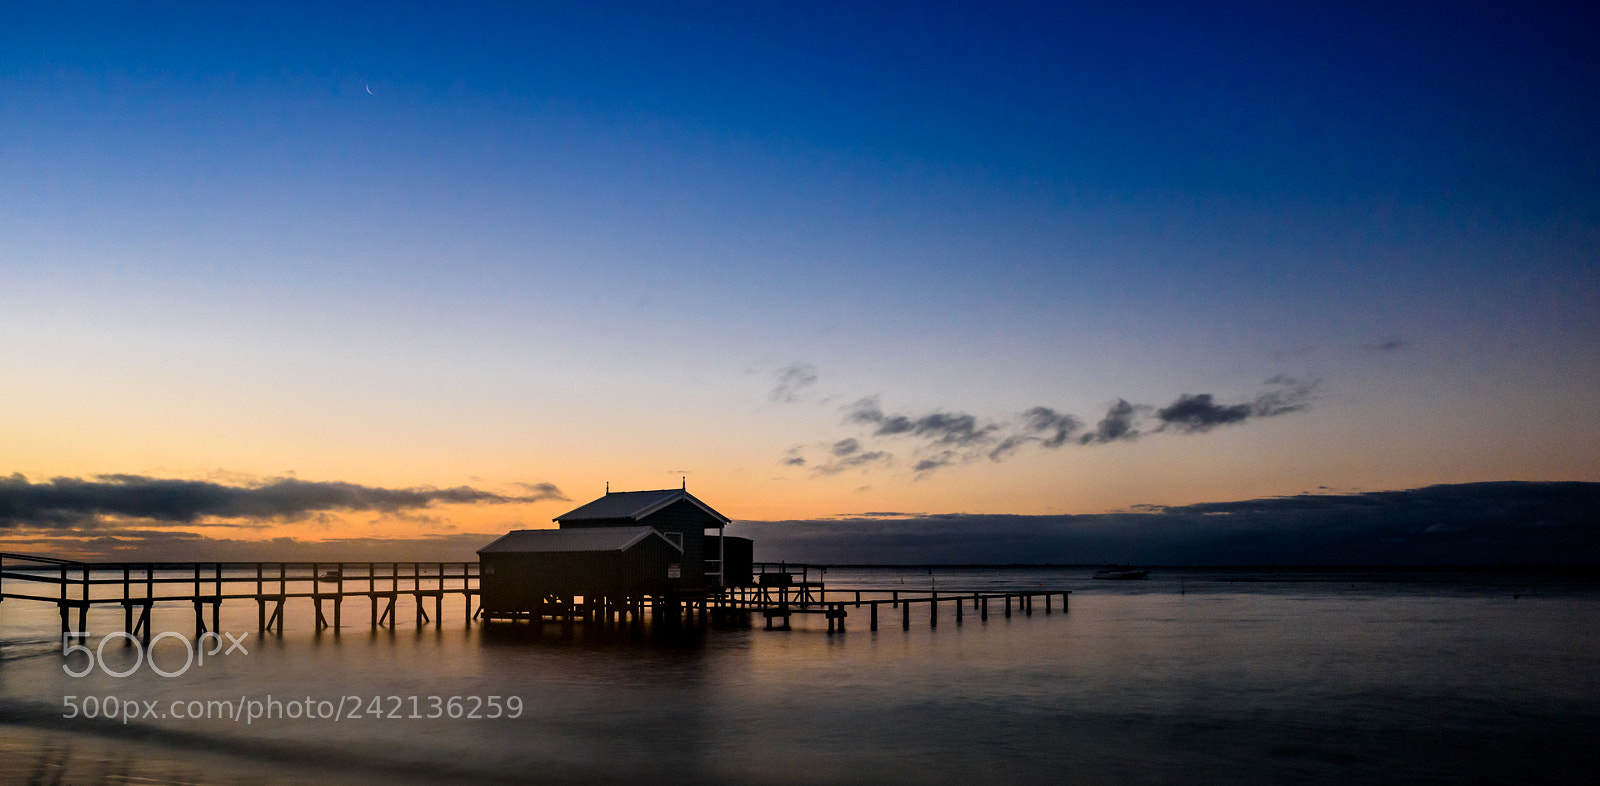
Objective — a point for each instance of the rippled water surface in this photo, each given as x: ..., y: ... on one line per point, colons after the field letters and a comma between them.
x: 1193, y: 676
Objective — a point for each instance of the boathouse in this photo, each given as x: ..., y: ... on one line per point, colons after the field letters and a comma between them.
x: 526, y: 566
x: 677, y: 515
x: 620, y: 547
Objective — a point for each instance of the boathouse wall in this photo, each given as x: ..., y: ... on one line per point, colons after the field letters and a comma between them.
x: 515, y: 578
x: 681, y: 521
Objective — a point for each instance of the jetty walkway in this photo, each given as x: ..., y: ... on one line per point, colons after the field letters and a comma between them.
x: 139, y: 586
x: 778, y: 592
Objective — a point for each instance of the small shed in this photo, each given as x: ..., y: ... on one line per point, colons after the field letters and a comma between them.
x: 676, y: 513
x: 522, y: 568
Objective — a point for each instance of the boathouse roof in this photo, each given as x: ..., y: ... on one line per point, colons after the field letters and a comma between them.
x: 573, y: 540
x: 635, y: 505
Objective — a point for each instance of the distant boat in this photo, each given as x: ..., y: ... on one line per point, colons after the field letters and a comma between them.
x: 331, y: 575
x: 1122, y: 573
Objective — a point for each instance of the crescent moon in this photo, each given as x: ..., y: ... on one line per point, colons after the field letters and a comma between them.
x: 369, y: 90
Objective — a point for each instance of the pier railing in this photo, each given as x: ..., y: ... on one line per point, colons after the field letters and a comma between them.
x: 778, y: 601
x: 137, y: 586
x: 780, y: 591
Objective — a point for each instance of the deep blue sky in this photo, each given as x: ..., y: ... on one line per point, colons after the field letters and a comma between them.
x: 574, y: 244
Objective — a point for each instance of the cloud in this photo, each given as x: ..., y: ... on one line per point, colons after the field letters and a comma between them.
x: 65, y: 503
x: 1502, y: 523
x: 1391, y: 345
x: 940, y: 438
x: 542, y: 491
x: 852, y: 461
x: 939, y: 428
x: 791, y: 380
x: 1042, y: 425
x: 1056, y: 427
x: 1118, y: 424
x: 1289, y: 395
x: 1199, y: 413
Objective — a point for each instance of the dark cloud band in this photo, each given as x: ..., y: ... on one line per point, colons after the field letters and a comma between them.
x: 76, y: 503
x: 1505, y: 523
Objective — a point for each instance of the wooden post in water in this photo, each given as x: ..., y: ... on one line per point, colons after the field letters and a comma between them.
x: 199, y: 610
x: 83, y: 610
x: 66, y: 611
x: 874, y: 605
x: 1008, y: 605
x: 216, y: 604
x: 127, y: 609
x: 261, y: 603
x: 149, y: 603
x: 905, y: 616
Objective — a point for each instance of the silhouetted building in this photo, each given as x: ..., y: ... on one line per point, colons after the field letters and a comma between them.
x: 676, y: 513
x: 524, y: 567
x: 624, y: 544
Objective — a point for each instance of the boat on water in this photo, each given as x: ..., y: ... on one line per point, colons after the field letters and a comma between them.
x: 330, y: 575
x: 1122, y: 573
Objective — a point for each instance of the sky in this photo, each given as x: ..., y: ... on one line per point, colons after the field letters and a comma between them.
x: 817, y: 263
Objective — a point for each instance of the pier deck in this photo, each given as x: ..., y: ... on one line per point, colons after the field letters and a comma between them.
x: 138, y: 586
x: 782, y: 591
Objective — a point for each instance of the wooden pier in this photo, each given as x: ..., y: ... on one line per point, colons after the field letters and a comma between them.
x: 795, y: 593
x: 780, y: 592
x: 139, y: 586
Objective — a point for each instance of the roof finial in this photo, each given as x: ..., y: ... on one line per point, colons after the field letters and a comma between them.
x: 685, y: 480
x: 608, y: 488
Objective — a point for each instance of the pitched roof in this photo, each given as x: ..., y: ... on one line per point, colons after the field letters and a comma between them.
x: 590, y: 539
x: 635, y: 505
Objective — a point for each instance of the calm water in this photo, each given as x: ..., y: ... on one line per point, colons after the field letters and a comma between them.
x: 1193, y: 676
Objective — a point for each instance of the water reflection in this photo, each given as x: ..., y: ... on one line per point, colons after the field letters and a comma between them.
x: 1179, y: 679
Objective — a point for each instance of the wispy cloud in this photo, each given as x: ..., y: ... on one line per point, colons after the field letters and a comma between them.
x: 852, y: 460
x: 791, y: 380
x: 940, y: 428
x: 1042, y: 425
x: 1199, y: 413
x: 1118, y: 424
x: 1389, y: 345
x: 542, y: 491
x: 75, y: 503
x: 943, y: 438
